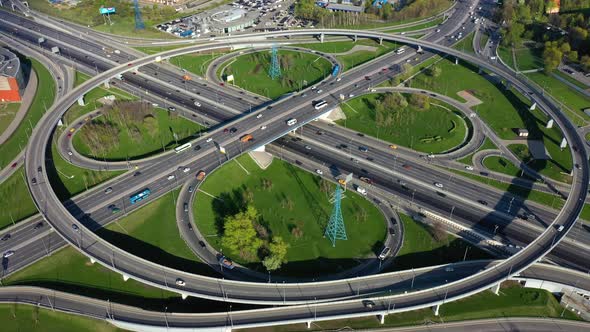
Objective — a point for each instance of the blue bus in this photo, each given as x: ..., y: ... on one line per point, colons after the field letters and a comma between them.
x: 139, y: 196
x: 335, y: 70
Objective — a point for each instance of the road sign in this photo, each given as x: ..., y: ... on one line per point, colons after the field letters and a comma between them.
x: 221, y: 149
x: 348, y: 178
x: 230, y: 78
x: 106, y: 10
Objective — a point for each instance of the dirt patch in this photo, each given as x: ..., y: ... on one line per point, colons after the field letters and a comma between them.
x: 471, y: 99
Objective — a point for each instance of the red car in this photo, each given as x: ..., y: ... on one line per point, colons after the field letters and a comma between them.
x: 222, y: 84
x: 407, y: 166
x: 225, y: 130
x: 13, y: 165
x: 69, y: 134
x: 129, y: 64
x: 367, y: 78
x: 384, y: 69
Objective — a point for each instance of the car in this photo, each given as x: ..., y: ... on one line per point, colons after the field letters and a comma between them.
x: 70, y: 153
x: 69, y: 135
x: 233, y: 130
x: 72, y: 130
x: 197, y: 104
x: 191, y: 189
x: 482, y: 202
x: 13, y: 165
x: 307, y: 147
x: 384, y: 253
x: 209, y: 139
x: 202, y: 244
x: 350, y: 95
x: 39, y: 225
x: 319, y: 171
x: 363, y: 149
x: 319, y: 91
x: 185, y: 207
x: 129, y: 64
x: 226, y: 130
x: 356, y: 161
x: 368, y: 304
x: 190, y: 226
x: 39, y: 169
x: 172, y: 108
x: 366, y: 179
x: 449, y: 269
x: 259, y: 116
x: 137, y: 173
x: 368, y: 78
x: 262, y: 127
x: 75, y: 228
x: 577, y: 166
x: 186, y: 169
x: 370, y: 158
x: 6, y: 237
x: 393, y: 146
x: 438, y: 184
x: 180, y: 282
x: 361, y: 190
x: 320, y: 132
x: 469, y: 168
x: 8, y: 253
x: 108, y: 190
x: 221, y: 83
x: 339, y: 79
x: 560, y: 228
x: 360, y: 134
x: 34, y: 181
x: 406, y: 166
x: 391, y: 231
x: 115, y: 210
x: 171, y: 177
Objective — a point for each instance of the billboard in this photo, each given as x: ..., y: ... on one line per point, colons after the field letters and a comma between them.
x: 106, y: 10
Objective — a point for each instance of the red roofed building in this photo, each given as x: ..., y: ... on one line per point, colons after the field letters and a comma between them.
x: 11, y: 77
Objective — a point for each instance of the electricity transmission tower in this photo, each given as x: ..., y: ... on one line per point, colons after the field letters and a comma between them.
x: 275, y: 68
x: 336, y: 230
x: 139, y: 25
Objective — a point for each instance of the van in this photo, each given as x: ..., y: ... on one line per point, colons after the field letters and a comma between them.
x: 291, y: 122
x: 361, y: 191
x: 384, y: 253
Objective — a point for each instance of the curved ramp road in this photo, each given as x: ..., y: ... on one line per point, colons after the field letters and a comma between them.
x: 127, y: 264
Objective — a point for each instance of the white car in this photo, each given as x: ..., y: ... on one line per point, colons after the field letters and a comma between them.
x: 186, y: 169
x: 263, y: 127
x: 350, y: 95
x: 319, y: 171
x: 197, y: 104
x: 209, y: 139
x: 469, y: 168
x: 338, y: 79
x: 171, y: 177
x: 361, y: 190
x: 70, y: 153
x: 8, y: 253
x: 180, y: 282
x: 307, y: 147
x: 438, y: 184
x: 259, y: 116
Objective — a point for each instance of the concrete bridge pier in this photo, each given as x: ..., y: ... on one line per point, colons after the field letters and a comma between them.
x: 26, y: 3
x: 321, y: 38
x: 92, y: 261
x: 507, y: 85
x: 480, y: 70
x: 354, y: 38
x: 81, y: 101
x: 382, y: 319
x: 496, y: 288
x: 107, y: 85
x: 380, y: 41
x: 184, y: 296
x: 435, y: 309
x: 456, y: 61
x: 308, y: 324
x: 13, y: 7
x: 125, y: 277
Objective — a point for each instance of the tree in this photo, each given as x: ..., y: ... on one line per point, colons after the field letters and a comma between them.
x: 420, y: 101
x: 585, y: 62
x: 433, y: 71
x: 278, y: 253
x: 239, y: 234
x: 551, y: 56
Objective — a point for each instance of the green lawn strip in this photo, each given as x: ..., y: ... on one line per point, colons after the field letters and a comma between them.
x: 75, y: 111
x: 43, y: 99
x: 152, y: 233
x: 158, y: 49
x: 487, y: 145
x: 483, y: 40
x: 513, y: 301
x: 421, y: 249
x: 22, y: 317
x: 299, y: 70
x: 16, y: 203
x: 352, y: 60
x: 562, y: 93
x: 557, y: 168
x: 157, y: 131
x: 7, y: 113
x: 501, y: 165
x: 466, y: 44
x: 438, y: 129
x: 540, y: 197
x: 310, y: 254
x: 505, y: 53
x: 585, y: 214
x: 503, y: 110
x: 529, y: 58
x: 195, y: 63
x: 68, y: 180
x: 69, y: 271
x: 570, y: 79
x: 424, y: 25
x: 86, y: 13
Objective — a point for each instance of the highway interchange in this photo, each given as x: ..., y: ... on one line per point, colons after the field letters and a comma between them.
x: 208, y: 159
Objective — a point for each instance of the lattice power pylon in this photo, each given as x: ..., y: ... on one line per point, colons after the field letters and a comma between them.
x: 336, y: 230
x: 139, y: 25
x: 275, y: 68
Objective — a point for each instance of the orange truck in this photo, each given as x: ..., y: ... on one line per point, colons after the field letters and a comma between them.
x: 201, y: 175
x: 246, y: 138
x: 186, y: 77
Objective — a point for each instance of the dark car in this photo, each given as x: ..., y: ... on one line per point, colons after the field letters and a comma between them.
x: 482, y: 202
x: 34, y: 181
x: 197, y: 148
x: 39, y: 169
x: 172, y: 108
x: 202, y: 244
x: 391, y: 231
x: 38, y: 225
x: 233, y: 130
x: 6, y: 237
x: 137, y: 173
x: 190, y: 226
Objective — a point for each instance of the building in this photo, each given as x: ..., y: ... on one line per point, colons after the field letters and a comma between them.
x: 522, y: 132
x: 343, y: 5
x: 12, y: 81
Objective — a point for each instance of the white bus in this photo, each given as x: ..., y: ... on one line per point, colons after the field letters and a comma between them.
x: 291, y: 122
x: 321, y: 104
x: 183, y: 147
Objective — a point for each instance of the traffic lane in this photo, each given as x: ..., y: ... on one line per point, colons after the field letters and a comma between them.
x: 33, y: 252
